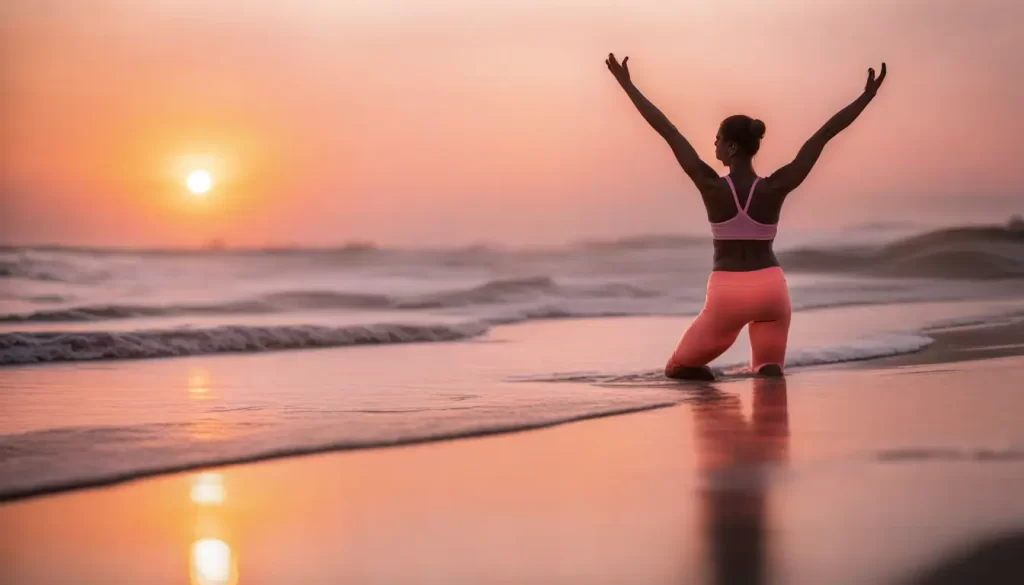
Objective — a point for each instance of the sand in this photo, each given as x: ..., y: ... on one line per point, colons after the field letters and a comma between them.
x: 905, y: 470
x: 965, y: 343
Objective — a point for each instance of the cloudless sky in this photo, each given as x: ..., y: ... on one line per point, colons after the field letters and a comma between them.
x: 455, y: 121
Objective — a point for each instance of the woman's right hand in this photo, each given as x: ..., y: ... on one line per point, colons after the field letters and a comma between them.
x: 621, y: 70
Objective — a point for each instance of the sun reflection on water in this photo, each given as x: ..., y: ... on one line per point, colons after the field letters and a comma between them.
x: 208, y: 489
x: 212, y: 563
x: 211, y: 560
x: 198, y: 384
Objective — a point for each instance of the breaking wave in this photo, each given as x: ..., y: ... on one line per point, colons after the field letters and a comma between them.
x: 39, y: 347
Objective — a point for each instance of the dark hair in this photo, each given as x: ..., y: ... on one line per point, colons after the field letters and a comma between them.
x: 745, y: 131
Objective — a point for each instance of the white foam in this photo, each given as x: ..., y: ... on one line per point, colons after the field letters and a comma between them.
x: 872, y: 347
x: 27, y: 348
x: 875, y: 346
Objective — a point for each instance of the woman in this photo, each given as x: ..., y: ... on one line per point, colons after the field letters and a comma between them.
x: 746, y: 286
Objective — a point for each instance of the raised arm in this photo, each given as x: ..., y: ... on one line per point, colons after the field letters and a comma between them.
x: 790, y: 176
x: 699, y: 171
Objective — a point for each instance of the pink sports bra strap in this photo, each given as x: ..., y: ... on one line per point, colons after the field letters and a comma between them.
x: 749, y: 197
x: 732, y: 188
x: 736, y: 197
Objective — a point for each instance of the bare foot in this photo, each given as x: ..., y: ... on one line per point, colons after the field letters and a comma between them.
x: 703, y: 373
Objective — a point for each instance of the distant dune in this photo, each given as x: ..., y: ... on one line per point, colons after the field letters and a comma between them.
x: 992, y: 252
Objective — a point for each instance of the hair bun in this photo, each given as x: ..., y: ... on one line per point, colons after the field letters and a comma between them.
x: 757, y: 128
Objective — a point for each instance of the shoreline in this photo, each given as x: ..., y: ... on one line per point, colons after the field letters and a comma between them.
x: 956, y: 344
x: 299, y: 452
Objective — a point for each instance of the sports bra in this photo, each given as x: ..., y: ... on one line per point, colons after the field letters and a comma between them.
x: 741, y: 226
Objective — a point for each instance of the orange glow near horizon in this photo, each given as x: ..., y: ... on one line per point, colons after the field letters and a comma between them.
x: 388, y: 121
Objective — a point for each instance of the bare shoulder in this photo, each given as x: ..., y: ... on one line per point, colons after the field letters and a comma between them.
x: 706, y: 179
x: 768, y: 199
x: 715, y: 187
x: 775, y: 187
x: 718, y: 199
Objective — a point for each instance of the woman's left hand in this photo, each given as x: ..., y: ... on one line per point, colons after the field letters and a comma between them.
x: 871, y: 88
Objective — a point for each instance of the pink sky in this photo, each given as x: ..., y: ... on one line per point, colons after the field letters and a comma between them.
x: 455, y: 122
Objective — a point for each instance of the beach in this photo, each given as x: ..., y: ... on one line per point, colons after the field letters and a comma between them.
x: 887, y: 471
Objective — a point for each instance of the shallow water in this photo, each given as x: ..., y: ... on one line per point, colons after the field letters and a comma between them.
x: 65, y: 425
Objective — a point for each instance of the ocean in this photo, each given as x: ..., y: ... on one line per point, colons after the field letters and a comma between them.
x: 520, y: 338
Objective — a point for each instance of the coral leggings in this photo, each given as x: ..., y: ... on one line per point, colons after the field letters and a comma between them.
x: 759, y: 298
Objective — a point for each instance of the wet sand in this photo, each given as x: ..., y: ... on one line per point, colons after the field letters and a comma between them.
x: 965, y: 343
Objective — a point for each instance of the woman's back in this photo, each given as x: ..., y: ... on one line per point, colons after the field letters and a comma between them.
x: 744, y: 214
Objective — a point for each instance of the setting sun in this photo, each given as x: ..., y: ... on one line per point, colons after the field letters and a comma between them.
x: 199, y: 182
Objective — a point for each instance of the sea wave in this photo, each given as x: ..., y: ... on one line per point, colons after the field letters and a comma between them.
x: 128, y: 311
x: 646, y: 242
x: 52, y: 269
x: 40, y: 347
x: 489, y: 293
x: 271, y: 303
x: 520, y: 289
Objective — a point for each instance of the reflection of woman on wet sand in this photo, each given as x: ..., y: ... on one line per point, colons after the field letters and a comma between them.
x: 732, y: 455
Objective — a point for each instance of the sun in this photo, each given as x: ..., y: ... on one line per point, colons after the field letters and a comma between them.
x: 199, y: 182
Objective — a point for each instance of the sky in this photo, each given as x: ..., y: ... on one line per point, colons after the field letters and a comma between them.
x: 456, y: 122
